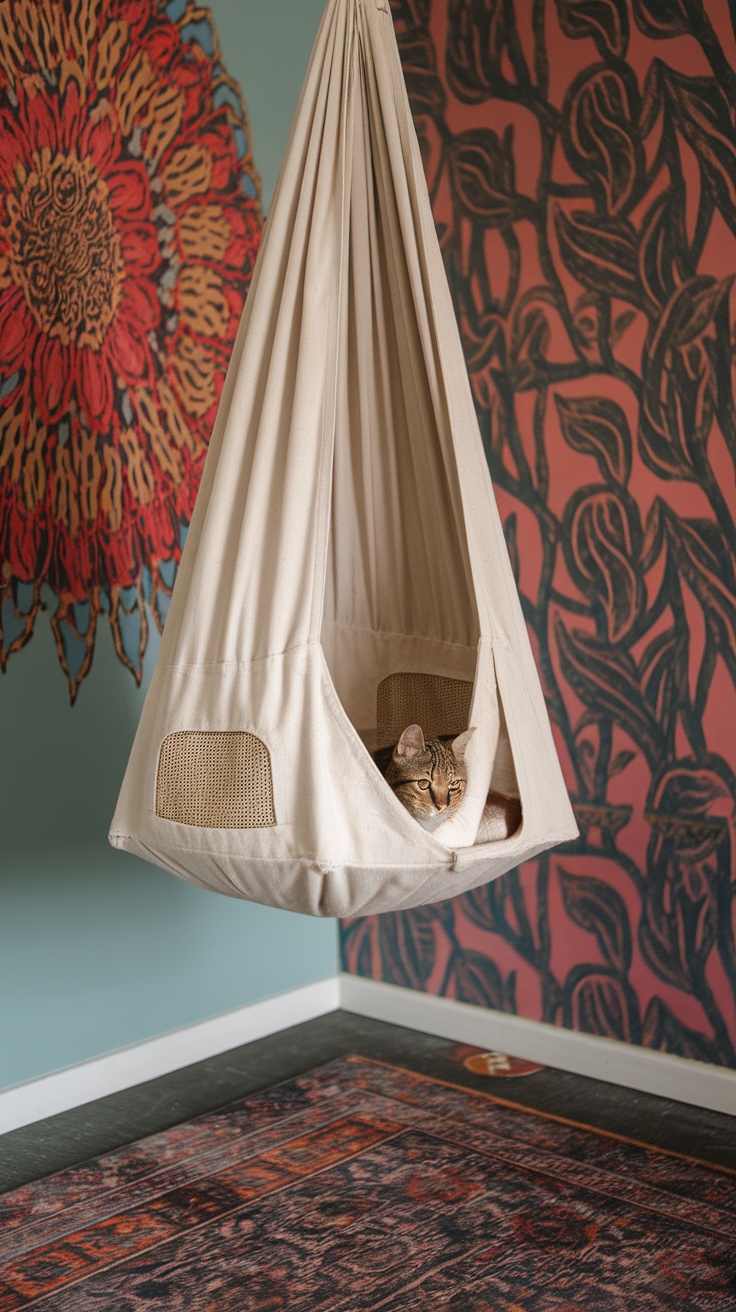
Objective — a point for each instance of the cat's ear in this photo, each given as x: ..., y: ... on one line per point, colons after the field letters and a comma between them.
x: 459, y: 745
x: 411, y: 742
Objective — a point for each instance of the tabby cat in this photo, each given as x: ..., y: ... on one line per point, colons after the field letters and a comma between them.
x: 429, y: 778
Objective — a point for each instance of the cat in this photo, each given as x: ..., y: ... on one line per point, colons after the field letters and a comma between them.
x: 429, y: 778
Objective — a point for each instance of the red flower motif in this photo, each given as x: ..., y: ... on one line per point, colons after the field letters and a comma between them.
x: 129, y: 224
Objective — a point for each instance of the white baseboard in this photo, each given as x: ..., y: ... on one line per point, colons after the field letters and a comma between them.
x: 24, y: 1103
x: 626, y: 1064
x: 633, y: 1067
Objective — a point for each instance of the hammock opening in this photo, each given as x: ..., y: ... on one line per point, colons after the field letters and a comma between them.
x: 443, y: 706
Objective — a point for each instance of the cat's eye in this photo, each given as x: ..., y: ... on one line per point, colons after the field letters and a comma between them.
x: 423, y: 784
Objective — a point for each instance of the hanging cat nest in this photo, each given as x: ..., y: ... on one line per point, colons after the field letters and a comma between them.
x: 345, y: 572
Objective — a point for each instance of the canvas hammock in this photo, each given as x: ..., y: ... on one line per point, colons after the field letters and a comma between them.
x: 345, y: 572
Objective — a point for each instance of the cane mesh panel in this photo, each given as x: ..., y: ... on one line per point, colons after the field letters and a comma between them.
x: 215, y: 781
x: 439, y: 705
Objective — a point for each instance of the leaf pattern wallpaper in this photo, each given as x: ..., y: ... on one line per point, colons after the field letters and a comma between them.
x: 129, y: 224
x: 581, y: 160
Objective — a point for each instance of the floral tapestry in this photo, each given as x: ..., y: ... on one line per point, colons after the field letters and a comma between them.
x: 129, y: 224
x: 581, y: 160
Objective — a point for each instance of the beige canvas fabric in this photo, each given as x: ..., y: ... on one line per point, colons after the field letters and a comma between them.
x: 345, y: 540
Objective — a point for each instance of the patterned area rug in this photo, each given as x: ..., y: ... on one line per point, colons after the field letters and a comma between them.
x: 363, y: 1186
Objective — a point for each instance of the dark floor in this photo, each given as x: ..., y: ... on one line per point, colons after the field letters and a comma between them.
x: 74, y: 1136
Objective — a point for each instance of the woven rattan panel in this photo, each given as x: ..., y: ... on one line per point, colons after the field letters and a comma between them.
x: 438, y: 704
x: 215, y: 781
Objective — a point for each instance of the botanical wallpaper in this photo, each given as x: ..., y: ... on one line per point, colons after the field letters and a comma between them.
x: 129, y: 223
x: 581, y: 161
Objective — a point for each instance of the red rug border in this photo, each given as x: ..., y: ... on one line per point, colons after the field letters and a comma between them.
x: 548, y: 1116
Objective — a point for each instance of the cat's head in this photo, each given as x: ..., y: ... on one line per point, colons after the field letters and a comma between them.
x: 428, y: 777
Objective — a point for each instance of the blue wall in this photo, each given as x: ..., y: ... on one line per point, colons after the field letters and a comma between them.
x: 266, y: 45
x: 97, y: 949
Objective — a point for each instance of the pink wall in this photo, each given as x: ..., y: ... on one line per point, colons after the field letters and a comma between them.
x: 581, y: 162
